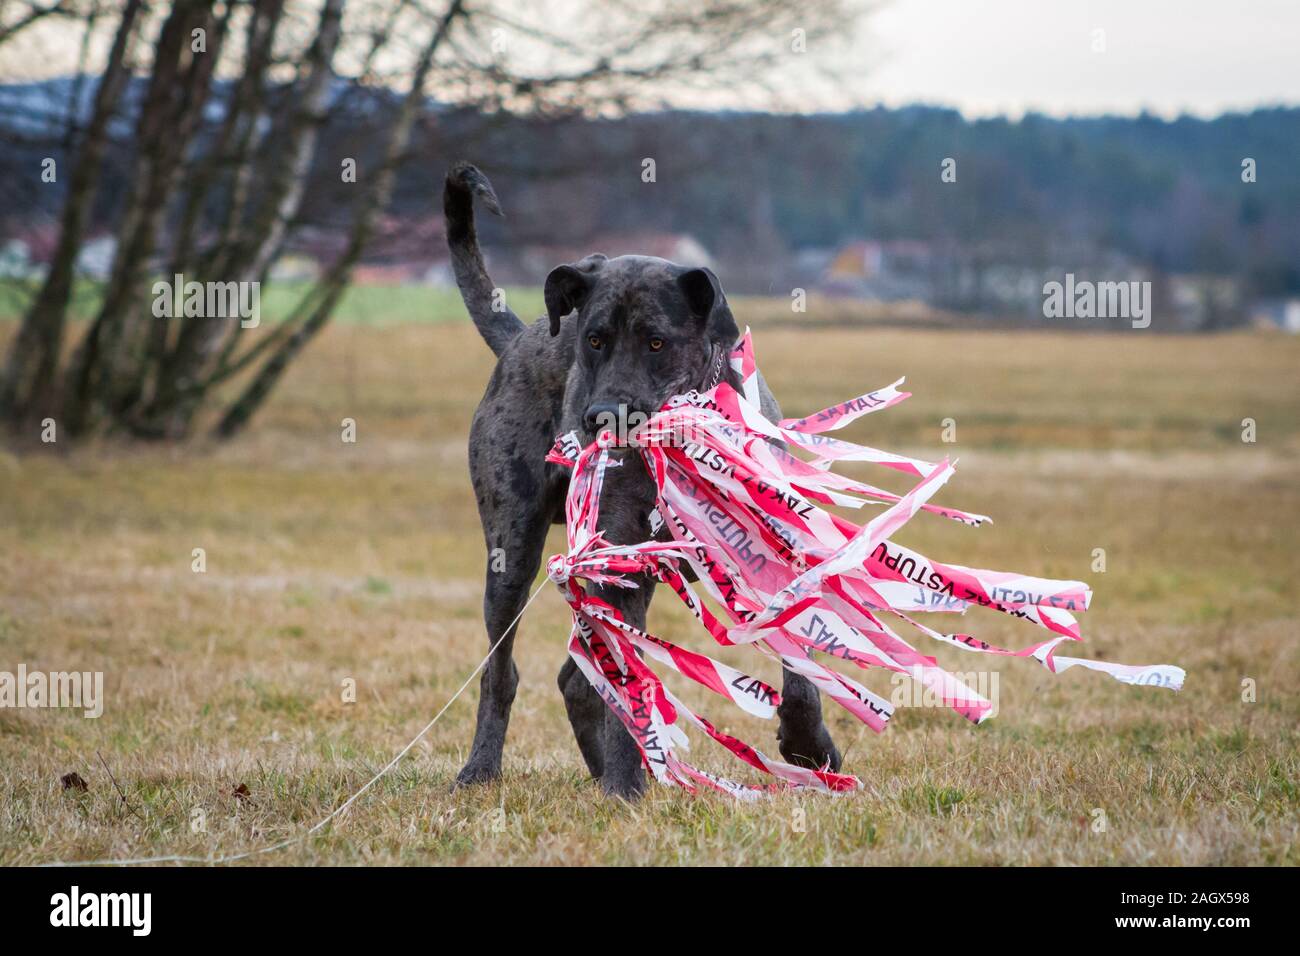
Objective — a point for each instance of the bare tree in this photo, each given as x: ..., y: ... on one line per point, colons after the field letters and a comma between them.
x: 108, y: 370
x: 247, y: 255
x: 17, y: 17
x: 331, y: 288
x: 218, y: 199
x: 27, y: 388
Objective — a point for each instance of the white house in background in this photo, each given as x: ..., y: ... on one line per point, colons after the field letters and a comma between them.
x: 1281, y: 314
x: 96, y: 257
x: 674, y: 246
x: 533, y: 262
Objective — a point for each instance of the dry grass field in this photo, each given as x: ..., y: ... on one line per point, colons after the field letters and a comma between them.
x: 328, y: 561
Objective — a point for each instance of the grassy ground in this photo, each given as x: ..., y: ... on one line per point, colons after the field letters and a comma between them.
x: 400, y: 304
x: 329, y: 561
x: 360, y: 305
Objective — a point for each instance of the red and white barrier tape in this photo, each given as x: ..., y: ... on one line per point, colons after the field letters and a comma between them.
x: 791, y: 579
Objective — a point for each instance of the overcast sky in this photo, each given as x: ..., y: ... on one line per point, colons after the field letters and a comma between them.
x: 983, y: 57
x: 1008, y: 56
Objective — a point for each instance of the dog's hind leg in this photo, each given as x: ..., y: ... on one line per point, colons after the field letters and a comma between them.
x: 802, y: 735
x: 587, y: 715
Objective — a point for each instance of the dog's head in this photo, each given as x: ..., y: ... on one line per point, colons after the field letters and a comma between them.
x: 647, y: 329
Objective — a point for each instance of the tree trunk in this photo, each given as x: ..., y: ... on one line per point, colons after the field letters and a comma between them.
x: 244, y: 101
x: 28, y: 391
x: 243, y: 109
x: 200, y: 339
x: 373, y: 201
x: 107, y: 371
x: 73, y: 120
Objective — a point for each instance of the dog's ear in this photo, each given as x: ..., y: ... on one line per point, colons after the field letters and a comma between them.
x: 708, y: 304
x: 567, y: 288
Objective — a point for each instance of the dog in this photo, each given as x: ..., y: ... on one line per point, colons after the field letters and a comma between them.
x: 620, y: 337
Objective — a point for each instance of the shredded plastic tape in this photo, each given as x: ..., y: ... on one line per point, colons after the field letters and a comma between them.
x: 794, y: 581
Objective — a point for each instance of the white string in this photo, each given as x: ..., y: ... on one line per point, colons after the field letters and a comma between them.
x: 211, y: 860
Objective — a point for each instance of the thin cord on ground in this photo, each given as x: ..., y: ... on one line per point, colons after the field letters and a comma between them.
x: 231, y: 858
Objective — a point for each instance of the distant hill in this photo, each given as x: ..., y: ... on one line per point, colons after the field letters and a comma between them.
x: 755, y: 189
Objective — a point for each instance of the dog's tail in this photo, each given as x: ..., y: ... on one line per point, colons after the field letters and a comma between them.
x: 492, y: 317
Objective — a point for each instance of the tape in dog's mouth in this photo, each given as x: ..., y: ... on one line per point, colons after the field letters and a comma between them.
x: 791, y: 579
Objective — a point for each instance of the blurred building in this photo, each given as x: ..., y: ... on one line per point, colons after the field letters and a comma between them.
x: 889, y: 271
x: 1283, y: 314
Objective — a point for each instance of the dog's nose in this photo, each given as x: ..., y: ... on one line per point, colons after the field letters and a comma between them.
x: 601, y: 415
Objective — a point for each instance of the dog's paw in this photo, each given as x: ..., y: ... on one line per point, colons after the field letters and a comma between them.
x: 475, y: 773
x: 630, y: 789
x: 813, y: 751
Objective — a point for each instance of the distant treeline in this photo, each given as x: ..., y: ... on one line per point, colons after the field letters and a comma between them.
x: 1168, y: 195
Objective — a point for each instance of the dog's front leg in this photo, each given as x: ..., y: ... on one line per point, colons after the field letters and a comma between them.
x: 625, y: 504
x: 519, y: 538
x: 622, y: 772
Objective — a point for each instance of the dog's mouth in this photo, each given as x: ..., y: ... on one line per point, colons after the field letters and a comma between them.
x: 621, y: 428
x: 617, y: 442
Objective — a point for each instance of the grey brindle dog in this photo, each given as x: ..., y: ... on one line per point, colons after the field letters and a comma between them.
x: 621, y: 336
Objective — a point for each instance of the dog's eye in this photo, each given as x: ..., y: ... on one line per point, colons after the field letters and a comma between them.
x: 593, y: 341
x: 656, y: 344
